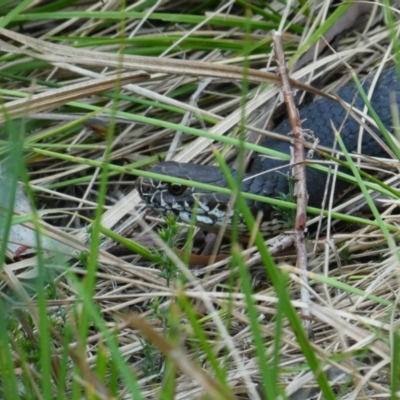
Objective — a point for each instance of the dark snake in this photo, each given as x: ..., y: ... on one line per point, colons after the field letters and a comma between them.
x: 210, y: 208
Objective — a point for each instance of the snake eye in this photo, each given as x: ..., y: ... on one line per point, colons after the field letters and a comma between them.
x: 176, y: 189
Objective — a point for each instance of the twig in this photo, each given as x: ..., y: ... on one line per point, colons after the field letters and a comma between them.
x: 298, y: 170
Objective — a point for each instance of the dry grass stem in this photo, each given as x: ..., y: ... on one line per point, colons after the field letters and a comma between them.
x: 144, y: 320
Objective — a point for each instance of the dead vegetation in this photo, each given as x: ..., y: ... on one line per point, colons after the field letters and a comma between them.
x: 150, y: 326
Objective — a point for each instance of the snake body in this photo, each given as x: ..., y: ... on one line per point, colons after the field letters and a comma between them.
x: 210, y: 208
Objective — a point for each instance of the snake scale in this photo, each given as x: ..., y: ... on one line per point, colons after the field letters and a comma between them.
x: 210, y: 208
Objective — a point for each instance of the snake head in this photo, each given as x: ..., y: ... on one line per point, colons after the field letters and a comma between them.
x: 207, y: 209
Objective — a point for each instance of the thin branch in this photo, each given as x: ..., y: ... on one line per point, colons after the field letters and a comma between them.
x: 298, y: 169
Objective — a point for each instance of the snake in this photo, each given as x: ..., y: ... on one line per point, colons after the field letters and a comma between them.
x: 268, y: 176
